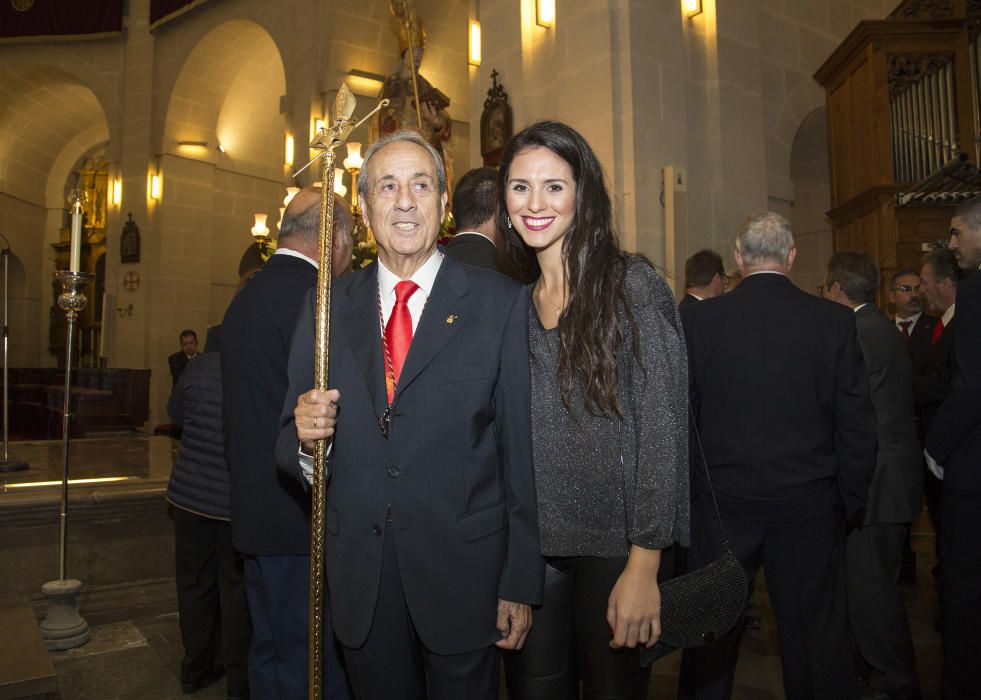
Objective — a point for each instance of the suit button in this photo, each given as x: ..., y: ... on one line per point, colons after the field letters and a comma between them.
x: 393, y: 472
x: 376, y: 531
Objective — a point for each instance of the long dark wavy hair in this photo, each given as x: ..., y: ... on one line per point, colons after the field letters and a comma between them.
x: 589, y: 332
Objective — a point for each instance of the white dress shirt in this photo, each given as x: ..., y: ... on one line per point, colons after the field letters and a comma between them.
x: 912, y: 321
x: 425, y: 277
x: 296, y: 254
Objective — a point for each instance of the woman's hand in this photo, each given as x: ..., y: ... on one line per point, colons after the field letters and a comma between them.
x: 634, y: 609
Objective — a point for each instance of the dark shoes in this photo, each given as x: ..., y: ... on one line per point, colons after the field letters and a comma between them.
x: 205, y: 681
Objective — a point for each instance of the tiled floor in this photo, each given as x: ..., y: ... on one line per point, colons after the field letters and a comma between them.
x: 139, y: 659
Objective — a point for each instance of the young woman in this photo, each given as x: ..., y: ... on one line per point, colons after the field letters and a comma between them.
x: 609, y: 421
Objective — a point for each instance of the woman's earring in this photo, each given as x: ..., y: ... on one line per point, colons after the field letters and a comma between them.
x: 509, y: 223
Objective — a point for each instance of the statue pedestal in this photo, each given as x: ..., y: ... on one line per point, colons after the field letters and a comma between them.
x: 63, y: 627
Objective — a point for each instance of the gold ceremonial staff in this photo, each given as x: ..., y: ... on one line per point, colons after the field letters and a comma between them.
x: 327, y: 139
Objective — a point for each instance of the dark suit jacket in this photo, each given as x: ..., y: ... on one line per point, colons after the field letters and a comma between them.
x: 177, y: 362
x: 918, y: 344
x: 897, y: 484
x: 954, y: 439
x: 781, y: 397
x: 473, y: 249
x: 456, y: 470
x: 932, y: 383
x: 688, y: 299
x: 269, y: 510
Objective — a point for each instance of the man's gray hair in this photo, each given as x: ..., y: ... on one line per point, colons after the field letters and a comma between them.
x: 765, y: 237
x: 303, y: 226
x: 396, y: 137
x: 970, y: 212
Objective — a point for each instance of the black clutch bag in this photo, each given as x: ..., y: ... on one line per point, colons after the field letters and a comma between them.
x: 699, y: 607
x: 703, y: 605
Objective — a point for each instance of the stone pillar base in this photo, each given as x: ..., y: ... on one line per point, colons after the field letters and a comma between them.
x: 63, y: 627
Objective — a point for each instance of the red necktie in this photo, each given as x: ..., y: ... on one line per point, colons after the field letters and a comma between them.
x: 905, y: 329
x: 398, y: 334
x: 937, y: 332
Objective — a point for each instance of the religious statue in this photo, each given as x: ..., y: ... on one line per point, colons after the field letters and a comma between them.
x: 414, y: 102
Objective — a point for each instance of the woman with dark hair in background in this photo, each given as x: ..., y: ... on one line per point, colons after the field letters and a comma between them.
x: 609, y: 421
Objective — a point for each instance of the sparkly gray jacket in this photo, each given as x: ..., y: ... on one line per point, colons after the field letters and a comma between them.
x: 602, y: 483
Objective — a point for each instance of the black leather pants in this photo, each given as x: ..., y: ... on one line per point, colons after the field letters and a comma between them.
x: 569, y: 639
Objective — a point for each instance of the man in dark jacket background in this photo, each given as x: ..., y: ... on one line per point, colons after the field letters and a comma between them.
x: 874, y: 547
x: 209, y: 572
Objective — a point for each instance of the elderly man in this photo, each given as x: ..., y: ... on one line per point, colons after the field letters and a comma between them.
x: 781, y: 399
x: 270, y: 515
x: 431, y: 522
x: 954, y: 440
x: 874, y: 549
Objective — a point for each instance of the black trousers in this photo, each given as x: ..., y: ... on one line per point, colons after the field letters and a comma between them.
x: 960, y: 592
x: 875, y: 604
x: 214, y: 614
x: 804, y: 562
x: 569, y: 640
x: 394, y: 664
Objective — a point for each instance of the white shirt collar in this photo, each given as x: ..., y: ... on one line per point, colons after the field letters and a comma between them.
x: 692, y: 294
x: 766, y: 272
x: 948, y: 315
x: 911, y: 320
x: 475, y: 233
x: 860, y: 306
x: 425, y: 277
x: 296, y: 254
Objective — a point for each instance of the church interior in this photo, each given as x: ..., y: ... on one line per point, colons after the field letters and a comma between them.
x: 179, y: 125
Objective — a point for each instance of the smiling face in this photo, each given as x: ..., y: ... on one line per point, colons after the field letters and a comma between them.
x: 541, y: 198
x: 404, y: 206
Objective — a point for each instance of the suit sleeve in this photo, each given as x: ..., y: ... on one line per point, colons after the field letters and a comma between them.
x: 300, y: 373
x: 523, y: 573
x: 854, y: 426
x: 659, y: 400
x: 960, y: 414
x: 175, y: 405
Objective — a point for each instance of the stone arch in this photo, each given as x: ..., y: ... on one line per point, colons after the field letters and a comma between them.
x: 812, y: 199
x: 228, y: 92
x: 47, y: 118
x: 805, y: 97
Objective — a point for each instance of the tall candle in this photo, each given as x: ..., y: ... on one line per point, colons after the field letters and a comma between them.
x: 76, y: 255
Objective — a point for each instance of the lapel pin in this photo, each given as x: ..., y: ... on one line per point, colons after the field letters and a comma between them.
x: 451, y: 318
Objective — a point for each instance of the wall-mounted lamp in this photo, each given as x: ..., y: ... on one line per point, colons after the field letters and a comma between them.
x: 194, y: 145
x: 260, y: 230
x: 289, y: 149
x: 474, y: 54
x: 353, y: 164
x: 339, y: 187
x: 545, y: 13
x: 117, y: 192
x: 364, y: 83
x: 690, y: 8
x: 318, y: 124
x: 156, y: 187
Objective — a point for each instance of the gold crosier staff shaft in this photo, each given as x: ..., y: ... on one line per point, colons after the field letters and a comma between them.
x: 319, y: 484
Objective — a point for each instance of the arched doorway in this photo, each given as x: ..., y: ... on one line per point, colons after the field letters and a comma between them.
x: 812, y: 200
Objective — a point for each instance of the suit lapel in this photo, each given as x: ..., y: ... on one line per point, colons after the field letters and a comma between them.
x: 445, y: 313
x: 359, y: 319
